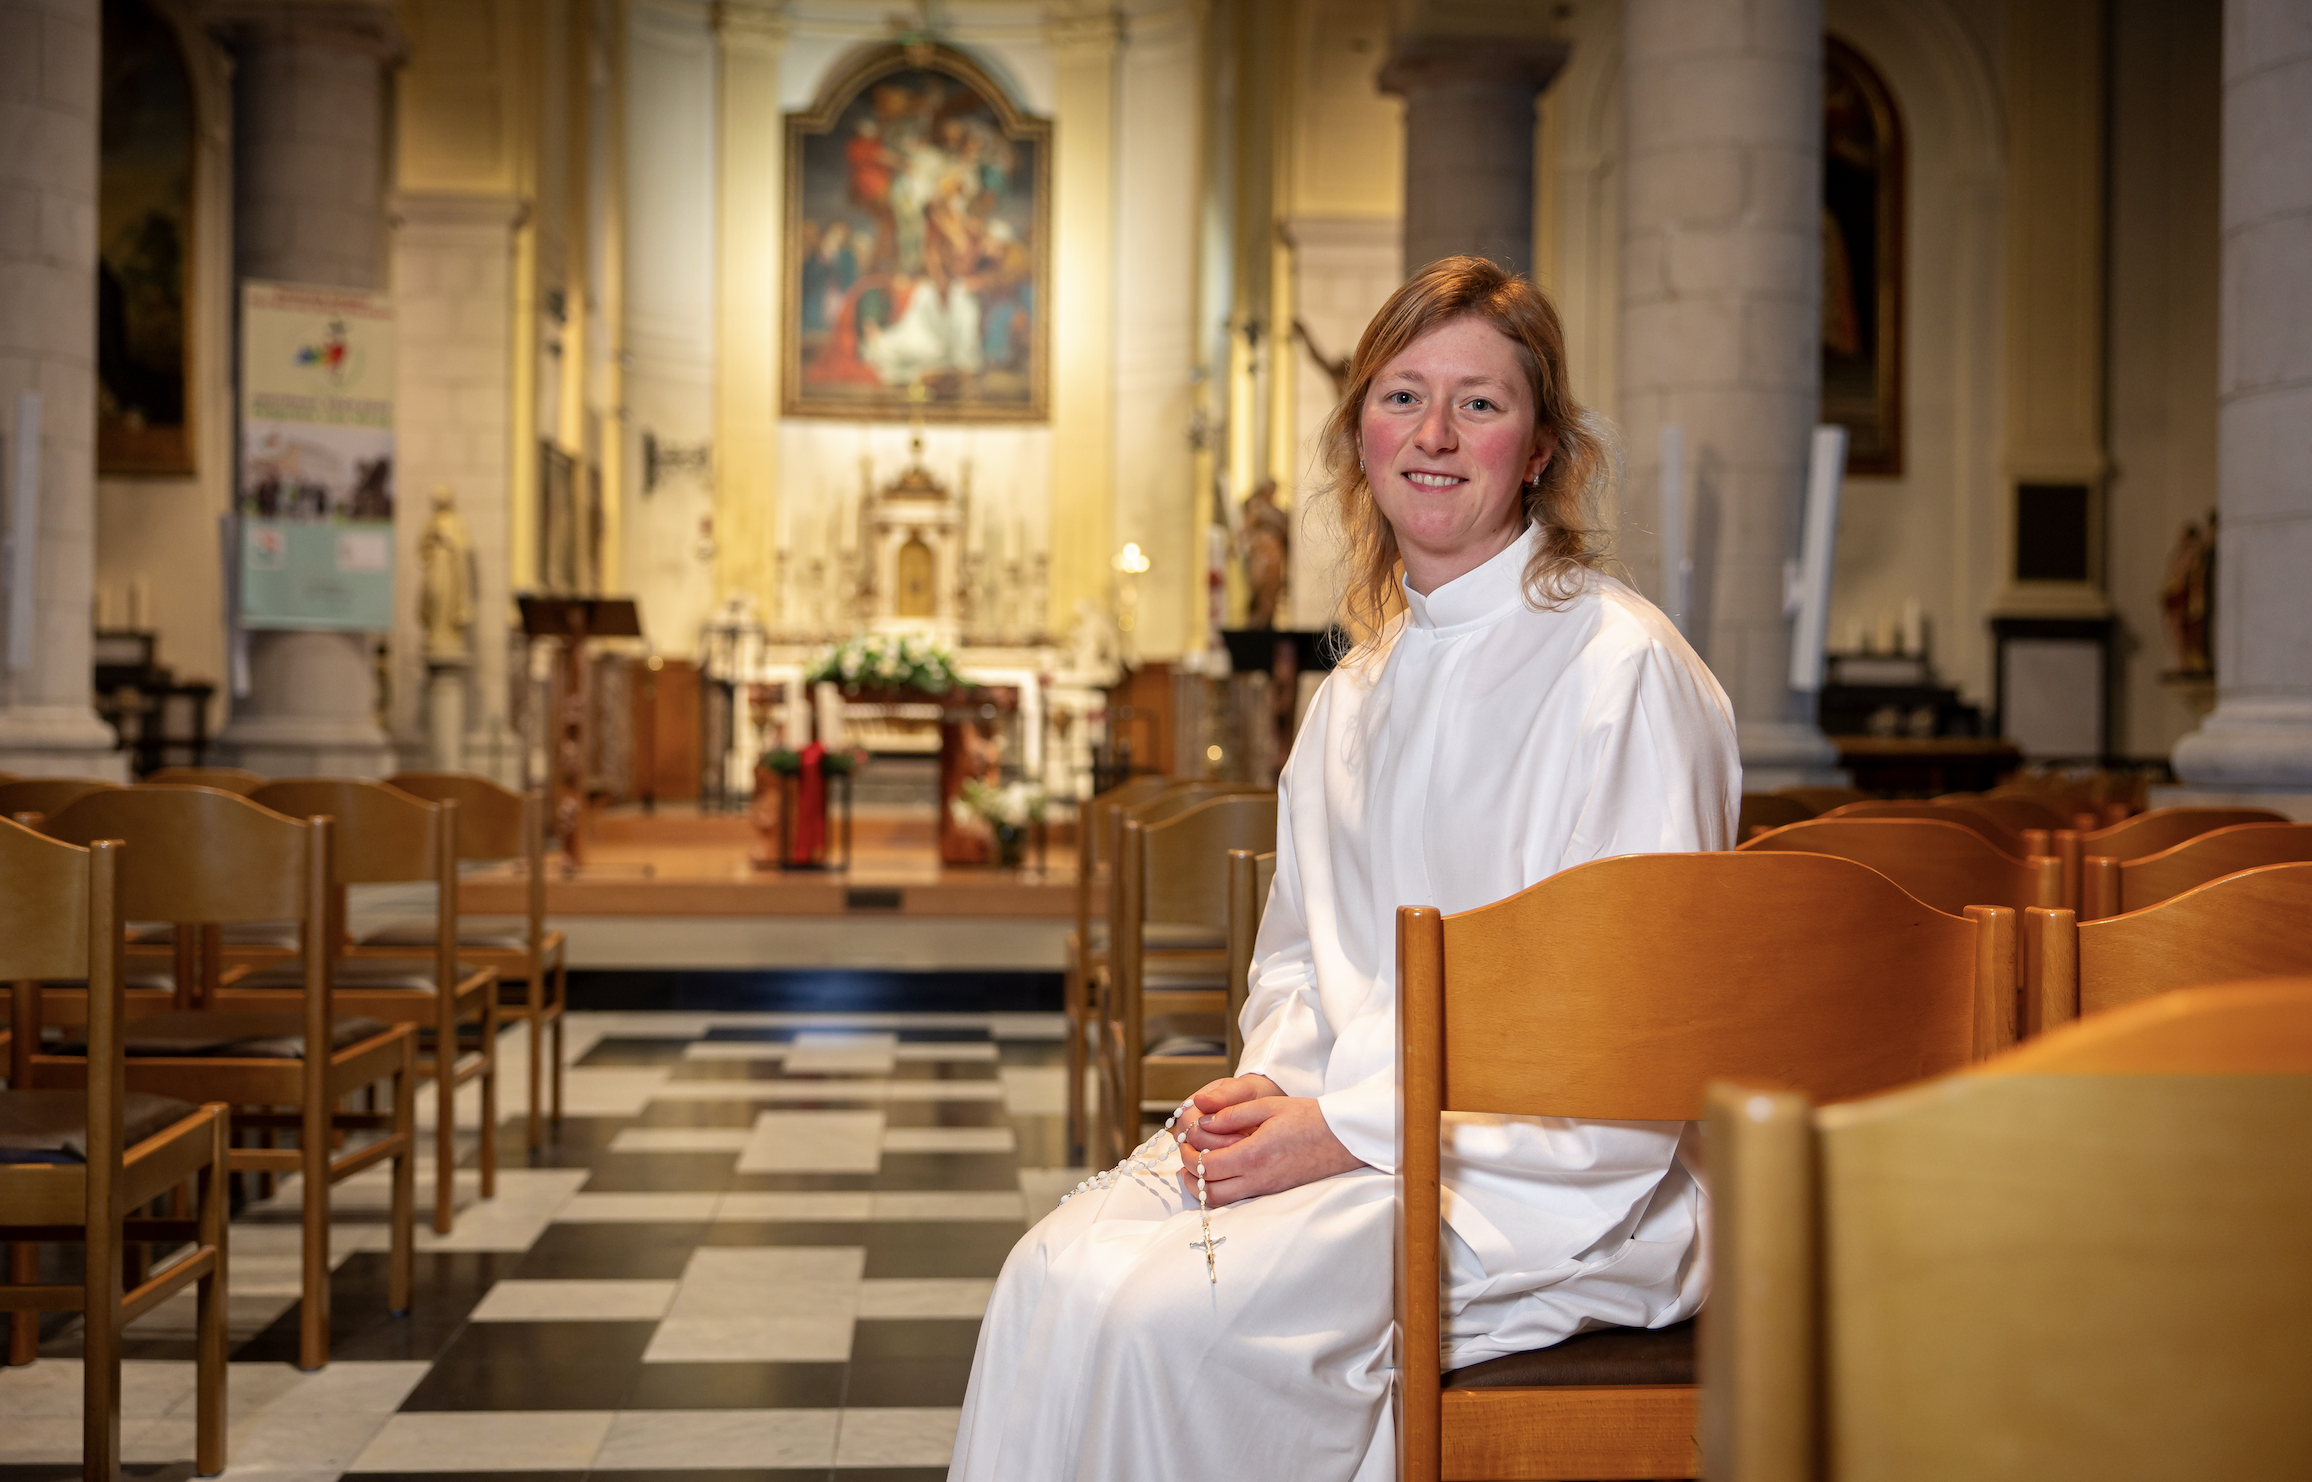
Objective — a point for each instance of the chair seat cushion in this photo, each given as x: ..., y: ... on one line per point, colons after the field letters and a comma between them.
x: 499, y: 933
x: 1168, y: 936
x: 281, y: 934
x: 229, y: 1034
x: 1601, y: 1356
x: 353, y: 975
x: 52, y: 1126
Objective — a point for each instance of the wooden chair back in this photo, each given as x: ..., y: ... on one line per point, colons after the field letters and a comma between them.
x: 45, y: 795
x: 1768, y: 810
x: 224, y: 779
x: 1947, y: 865
x: 1662, y: 973
x: 2005, y: 1274
x: 1250, y: 878
x: 1172, y: 871
x: 2010, y: 842
x: 57, y: 907
x: 2016, y: 811
x: 1820, y: 800
x: 493, y: 823
x: 2110, y: 886
x: 2164, y: 828
x: 2246, y: 925
x: 1183, y: 858
x: 198, y: 855
x: 384, y: 835
x: 1094, y: 826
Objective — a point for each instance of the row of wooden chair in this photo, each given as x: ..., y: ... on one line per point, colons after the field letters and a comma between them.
x: 1796, y: 972
x: 1180, y: 966
x: 495, y: 825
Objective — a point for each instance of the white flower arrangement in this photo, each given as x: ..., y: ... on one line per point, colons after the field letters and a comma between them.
x: 881, y: 661
x: 1012, y: 806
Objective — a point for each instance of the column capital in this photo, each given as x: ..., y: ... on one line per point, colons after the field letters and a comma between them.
x: 1420, y: 62
x: 1079, y: 33
x: 368, y: 26
x: 751, y: 25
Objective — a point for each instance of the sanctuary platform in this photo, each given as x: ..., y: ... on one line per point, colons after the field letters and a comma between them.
x: 678, y: 862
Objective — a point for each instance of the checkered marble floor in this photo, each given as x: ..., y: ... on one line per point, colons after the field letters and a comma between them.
x: 758, y: 1251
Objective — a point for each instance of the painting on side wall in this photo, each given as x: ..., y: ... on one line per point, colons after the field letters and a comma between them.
x: 144, y: 228
x: 1862, y: 261
x: 917, y: 246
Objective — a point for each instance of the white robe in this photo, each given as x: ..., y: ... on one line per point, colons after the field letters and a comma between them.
x: 1492, y: 745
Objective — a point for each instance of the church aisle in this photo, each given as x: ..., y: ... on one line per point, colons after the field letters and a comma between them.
x: 758, y: 1251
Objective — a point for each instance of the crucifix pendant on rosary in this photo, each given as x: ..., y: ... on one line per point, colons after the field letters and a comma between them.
x: 1210, y: 1242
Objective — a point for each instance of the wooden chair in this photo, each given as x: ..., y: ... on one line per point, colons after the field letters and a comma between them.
x: 223, y: 779
x: 1662, y: 972
x: 2085, y: 1258
x: 44, y: 795
x: 2252, y: 924
x: 496, y: 824
x: 202, y: 857
x: 1768, y: 810
x: 384, y: 836
x: 2109, y: 886
x: 2015, y: 843
x: 1171, y: 871
x: 1820, y: 800
x: 1947, y: 865
x: 1189, y: 952
x: 1085, y: 953
x: 1250, y: 876
x: 2145, y: 833
x: 2020, y: 811
x: 76, y: 1163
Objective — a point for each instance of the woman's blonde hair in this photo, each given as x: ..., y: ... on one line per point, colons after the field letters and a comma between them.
x: 1560, y: 503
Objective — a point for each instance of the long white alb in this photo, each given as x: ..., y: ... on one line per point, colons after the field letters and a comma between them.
x: 1492, y: 744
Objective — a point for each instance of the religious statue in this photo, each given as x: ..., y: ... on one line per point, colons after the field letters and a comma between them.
x: 1264, y: 541
x: 445, y: 604
x: 2188, y: 597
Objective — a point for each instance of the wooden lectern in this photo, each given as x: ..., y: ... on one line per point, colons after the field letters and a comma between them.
x: 573, y: 620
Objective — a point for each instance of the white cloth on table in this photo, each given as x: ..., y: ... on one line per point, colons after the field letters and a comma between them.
x: 1490, y: 745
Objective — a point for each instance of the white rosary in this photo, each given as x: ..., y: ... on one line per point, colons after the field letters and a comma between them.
x: 1140, y: 1162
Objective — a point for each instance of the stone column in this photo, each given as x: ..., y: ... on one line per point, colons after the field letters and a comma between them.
x: 48, y: 115
x: 1469, y: 143
x: 309, y: 207
x: 1721, y: 309
x: 2259, y: 740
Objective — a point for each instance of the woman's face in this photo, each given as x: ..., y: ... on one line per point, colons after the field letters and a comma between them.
x: 1448, y: 442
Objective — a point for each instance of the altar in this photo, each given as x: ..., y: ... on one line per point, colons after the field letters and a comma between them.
x: 910, y: 555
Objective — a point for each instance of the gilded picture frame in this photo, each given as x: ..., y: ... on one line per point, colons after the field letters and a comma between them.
x: 1862, y: 261
x: 146, y: 199
x: 916, y: 275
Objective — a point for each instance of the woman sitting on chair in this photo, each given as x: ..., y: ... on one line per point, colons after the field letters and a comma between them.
x: 1220, y: 1303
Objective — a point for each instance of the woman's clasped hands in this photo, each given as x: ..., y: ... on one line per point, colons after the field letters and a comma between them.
x: 1253, y: 1139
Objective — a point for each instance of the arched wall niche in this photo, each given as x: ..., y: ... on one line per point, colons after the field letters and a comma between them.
x: 145, y: 523
x: 1925, y: 532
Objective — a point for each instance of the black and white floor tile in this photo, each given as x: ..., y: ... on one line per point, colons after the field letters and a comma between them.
x: 758, y: 1251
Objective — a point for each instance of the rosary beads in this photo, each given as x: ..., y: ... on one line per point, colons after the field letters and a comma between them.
x: 1141, y: 1161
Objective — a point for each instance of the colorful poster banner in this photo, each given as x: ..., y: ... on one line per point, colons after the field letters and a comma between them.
x: 316, y: 488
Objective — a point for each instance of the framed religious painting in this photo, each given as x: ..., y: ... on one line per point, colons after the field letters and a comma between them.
x: 1862, y: 261
x: 144, y: 264
x: 918, y: 246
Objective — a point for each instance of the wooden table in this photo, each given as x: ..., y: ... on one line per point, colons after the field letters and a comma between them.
x: 1901, y: 767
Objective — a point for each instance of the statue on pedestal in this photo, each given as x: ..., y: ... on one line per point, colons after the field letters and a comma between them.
x: 445, y: 611
x: 445, y: 602
x: 1264, y: 539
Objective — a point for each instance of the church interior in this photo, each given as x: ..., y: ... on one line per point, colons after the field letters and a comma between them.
x: 716, y: 592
